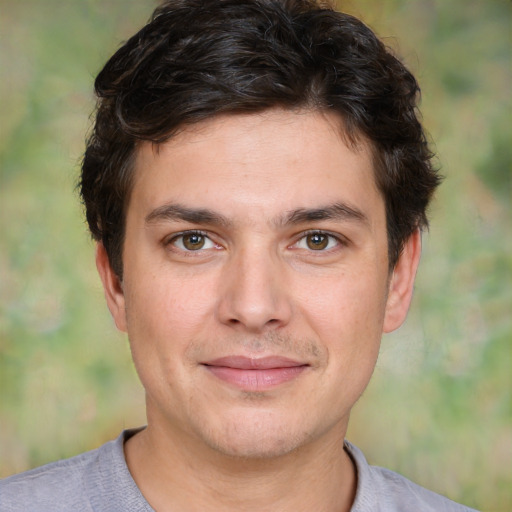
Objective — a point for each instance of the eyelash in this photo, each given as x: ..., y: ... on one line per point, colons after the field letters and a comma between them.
x: 303, y: 236
x: 171, y: 241
x: 340, y: 241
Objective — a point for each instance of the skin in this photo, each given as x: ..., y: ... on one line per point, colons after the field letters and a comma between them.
x: 274, y: 270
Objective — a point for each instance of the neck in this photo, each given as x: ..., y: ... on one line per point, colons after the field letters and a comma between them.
x: 176, y: 473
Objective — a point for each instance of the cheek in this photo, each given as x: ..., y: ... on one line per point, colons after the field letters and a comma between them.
x: 348, y: 321
x: 345, y: 303
x: 167, y: 309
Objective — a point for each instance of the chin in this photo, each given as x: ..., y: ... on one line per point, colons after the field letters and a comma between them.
x: 256, y: 439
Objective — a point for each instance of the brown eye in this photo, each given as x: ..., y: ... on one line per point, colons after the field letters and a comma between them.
x: 193, y: 241
x: 317, y: 241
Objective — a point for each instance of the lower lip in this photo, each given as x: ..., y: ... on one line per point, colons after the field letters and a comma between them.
x: 256, y: 380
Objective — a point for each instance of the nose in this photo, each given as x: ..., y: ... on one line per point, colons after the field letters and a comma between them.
x: 254, y: 296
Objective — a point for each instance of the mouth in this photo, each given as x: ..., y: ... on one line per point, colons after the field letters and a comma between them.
x: 255, y: 374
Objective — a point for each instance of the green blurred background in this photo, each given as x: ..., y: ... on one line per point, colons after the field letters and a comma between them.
x: 439, y: 407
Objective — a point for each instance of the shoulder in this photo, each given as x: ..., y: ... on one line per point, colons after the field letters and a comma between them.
x: 382, y: 490
x: 55, y: 486
x: 81, y: 483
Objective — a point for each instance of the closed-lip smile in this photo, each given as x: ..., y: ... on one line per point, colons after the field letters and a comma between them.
x: 255, y: 374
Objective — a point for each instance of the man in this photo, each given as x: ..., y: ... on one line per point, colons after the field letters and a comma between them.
x: 256, y: 182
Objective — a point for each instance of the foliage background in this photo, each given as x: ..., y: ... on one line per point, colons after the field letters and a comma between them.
x: 439, y: 407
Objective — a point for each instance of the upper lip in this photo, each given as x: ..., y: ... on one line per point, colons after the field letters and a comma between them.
x: 253, y: 363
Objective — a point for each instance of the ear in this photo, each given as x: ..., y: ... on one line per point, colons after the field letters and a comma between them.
x: 112, y: 287
x: 401, y: 284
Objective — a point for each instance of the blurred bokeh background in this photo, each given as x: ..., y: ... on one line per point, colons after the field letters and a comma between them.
x: 439, y: 408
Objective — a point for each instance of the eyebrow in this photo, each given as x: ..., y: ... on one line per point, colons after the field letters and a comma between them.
x: 336, y: 211
x: 173, y: 212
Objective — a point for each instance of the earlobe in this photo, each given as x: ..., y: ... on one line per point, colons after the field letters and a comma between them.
x: 112, y: 288
x: 401, y: 284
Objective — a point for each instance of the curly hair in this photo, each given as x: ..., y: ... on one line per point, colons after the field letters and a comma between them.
x: 196, y: 59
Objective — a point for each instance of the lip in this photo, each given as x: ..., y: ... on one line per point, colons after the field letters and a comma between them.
x: 255, y: 374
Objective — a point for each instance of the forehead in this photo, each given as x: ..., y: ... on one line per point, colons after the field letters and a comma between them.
x: 256, y: 164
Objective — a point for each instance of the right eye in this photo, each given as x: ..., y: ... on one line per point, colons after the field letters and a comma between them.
x: 192, y: 241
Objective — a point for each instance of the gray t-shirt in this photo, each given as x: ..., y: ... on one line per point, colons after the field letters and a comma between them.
x: 99, y: 480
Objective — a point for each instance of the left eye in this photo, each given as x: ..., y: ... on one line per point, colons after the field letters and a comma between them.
x: 317, y: 242
x: 192, y: 242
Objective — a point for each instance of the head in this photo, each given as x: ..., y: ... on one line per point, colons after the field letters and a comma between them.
x: 256, y: 180
x: 197, y: 59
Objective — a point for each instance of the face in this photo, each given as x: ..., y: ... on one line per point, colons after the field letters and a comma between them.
x: 256, y: 284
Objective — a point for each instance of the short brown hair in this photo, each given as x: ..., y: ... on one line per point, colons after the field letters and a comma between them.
x: 196, y: 59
